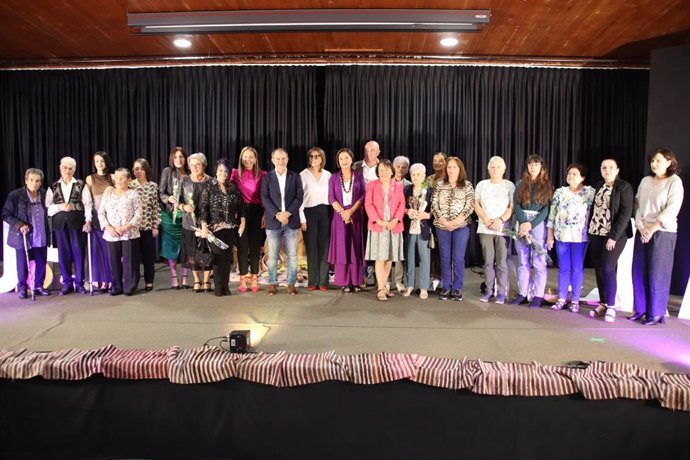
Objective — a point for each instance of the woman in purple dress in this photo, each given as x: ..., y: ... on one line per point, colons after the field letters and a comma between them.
x: 101, y: 178
x: 346, y: 191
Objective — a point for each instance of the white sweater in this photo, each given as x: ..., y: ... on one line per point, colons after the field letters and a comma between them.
x: 659, y: 203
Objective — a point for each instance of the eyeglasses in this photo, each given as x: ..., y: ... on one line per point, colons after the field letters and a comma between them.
x: 314, y: 156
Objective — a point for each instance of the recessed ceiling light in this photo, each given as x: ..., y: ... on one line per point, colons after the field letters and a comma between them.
x: 182, y: 43
x: 449, y: 41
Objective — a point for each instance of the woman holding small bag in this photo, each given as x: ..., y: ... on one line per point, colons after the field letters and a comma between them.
x: 192, y: 187
x: 222, y: 212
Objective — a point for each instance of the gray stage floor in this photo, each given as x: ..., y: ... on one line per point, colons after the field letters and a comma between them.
x: 313, y: 322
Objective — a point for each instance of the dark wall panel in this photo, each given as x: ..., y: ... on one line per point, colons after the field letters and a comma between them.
x: 669, y: 126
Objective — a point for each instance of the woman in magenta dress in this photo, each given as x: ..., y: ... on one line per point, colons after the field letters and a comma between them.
x: 346, y: 191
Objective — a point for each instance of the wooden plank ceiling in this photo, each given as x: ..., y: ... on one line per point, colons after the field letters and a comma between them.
x: 95, y: 32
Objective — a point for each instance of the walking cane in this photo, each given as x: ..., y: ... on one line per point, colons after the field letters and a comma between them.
x: 88, y: 257
x: 26, y: 254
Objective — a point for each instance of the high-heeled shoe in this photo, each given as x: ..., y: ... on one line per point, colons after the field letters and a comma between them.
x: 207, y: 286
x: 243, y: 283
x: 635, y: 316
x: 654, y: 320
x: 255, y: 283
x: 183, y: 284
x: 174, y: 284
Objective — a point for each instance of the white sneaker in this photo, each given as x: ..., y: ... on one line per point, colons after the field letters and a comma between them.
x: 423, y: 294
x: 408, y: 291
x: 486, y: 297
x: 435, y: 284
x: 400, y: 287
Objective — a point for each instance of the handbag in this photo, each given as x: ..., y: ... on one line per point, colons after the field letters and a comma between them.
x: 432, y: 240
x: 203, y: 255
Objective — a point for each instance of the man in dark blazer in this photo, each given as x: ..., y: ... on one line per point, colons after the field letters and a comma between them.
x: 281, y: 197
x: 27, y: 217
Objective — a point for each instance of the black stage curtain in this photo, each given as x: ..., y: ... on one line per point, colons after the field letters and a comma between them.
x: 132, y: 113
x: 565, y: 115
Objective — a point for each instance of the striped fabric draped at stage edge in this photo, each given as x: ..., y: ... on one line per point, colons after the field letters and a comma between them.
x: 601, y: 380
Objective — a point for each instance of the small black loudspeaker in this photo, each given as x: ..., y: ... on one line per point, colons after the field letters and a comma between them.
x: 239, y: 341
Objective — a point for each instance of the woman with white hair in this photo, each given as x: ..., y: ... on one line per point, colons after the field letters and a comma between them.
x: 401, y: 165
x: 28, y: 231
x: 193, y: 186
x: 119, y: 216
x: 69, y: 204
x: 493, y: 203
x: 418, y: 204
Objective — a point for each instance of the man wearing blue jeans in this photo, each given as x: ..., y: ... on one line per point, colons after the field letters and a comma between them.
x: 281, y: 197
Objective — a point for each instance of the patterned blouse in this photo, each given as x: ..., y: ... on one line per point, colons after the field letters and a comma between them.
x: 450, y: 202
x: 600, y: 224
x: 120, y: 209
x: 570, y: 213
x: 150, y: 204
x: 221, y: 210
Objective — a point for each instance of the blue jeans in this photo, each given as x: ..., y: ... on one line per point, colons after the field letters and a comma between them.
x: 416, y: 246
x: 571, y: 262
x: 452, y: 247
x: 275, y: 238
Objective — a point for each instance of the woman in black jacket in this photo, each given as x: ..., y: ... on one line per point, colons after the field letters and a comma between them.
x: 609, y: 230
x: 222, y: 213
x: 27, y: 217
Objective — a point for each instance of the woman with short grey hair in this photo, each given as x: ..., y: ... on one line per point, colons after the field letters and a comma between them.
x: 193, y: 186
x: 418, y: 211
x: 493, y: 203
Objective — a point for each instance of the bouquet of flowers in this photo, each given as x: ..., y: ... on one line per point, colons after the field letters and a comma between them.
x: 176, y: 194
x: 529, y: 240
x: 419, y: 205
x: 211, y: 239
x: 189, y: 199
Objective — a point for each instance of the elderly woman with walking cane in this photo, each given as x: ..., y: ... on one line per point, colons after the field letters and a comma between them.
x: 28, y: 233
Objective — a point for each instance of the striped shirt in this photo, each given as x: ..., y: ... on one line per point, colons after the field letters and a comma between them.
x: 450, y: 202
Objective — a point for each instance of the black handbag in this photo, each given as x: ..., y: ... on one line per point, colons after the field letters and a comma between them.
x: 203, y: 255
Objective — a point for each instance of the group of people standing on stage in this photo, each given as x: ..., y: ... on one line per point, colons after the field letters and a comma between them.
x: 367, y: 212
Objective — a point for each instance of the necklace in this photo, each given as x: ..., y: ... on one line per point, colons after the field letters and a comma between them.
x: 342, y: 181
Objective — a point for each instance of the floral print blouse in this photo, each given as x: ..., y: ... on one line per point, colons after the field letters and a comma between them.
x: 569, y: 214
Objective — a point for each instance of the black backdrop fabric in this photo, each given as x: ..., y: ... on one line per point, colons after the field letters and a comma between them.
x: 565, y: 115
x: 668, y: 122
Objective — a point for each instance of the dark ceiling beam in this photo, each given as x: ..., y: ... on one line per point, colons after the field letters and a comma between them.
x: 354, y: 20
x: 324, y: 59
